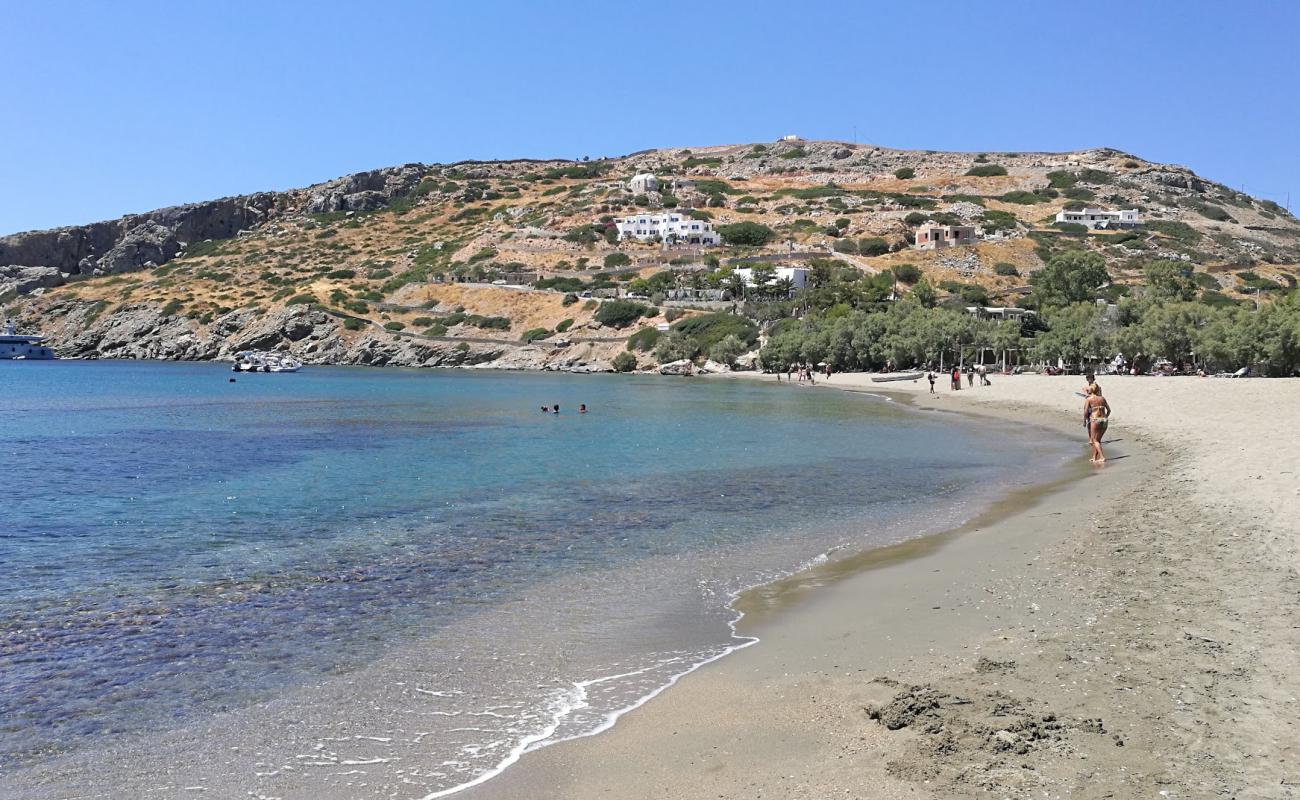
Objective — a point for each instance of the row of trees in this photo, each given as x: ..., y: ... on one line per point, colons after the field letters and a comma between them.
x: 848, y: 327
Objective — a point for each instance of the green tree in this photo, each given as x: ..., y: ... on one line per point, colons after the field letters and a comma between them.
x: 924, y: 293
x: 746, y: 233
x: 1073, y: 276
x: 1170, y: 280
x: 614, y: 260
x: 1075, y: 334
x: 728, y: 350
x: 624, y: 362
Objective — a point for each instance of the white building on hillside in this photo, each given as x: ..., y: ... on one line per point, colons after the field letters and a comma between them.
x: 643, y: 183
x: 798, y: 276
x: 670, y: 226
x: 1101, y: 218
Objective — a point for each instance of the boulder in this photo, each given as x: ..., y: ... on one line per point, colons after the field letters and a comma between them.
x: 20, y: 279
x: 147, y: 244
x: 682, y: 367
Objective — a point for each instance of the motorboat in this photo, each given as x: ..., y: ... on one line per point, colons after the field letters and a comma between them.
x: 18, y: 347
x: 259, y: 361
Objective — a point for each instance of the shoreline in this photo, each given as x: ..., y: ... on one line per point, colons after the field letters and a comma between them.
x: 735, y: 729
x: 190, y: 737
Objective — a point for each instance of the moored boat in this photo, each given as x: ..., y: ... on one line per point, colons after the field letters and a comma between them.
x: 19, y: 347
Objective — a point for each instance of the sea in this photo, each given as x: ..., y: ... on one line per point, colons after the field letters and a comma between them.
x: 393, y: 583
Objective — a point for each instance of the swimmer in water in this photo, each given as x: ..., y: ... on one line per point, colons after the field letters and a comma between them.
x: 582, y: 408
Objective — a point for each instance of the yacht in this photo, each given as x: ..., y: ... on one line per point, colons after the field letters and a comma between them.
x: 21, y: 348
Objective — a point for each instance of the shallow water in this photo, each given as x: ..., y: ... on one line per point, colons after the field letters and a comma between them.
x: 176, y: 546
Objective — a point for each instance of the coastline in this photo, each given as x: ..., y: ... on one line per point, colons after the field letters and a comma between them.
x: 1131, y: 645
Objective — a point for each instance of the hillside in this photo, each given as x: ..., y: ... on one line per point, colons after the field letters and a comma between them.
x: 396, y: 266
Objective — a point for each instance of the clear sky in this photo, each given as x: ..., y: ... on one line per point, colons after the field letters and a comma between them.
x: 123, y: 106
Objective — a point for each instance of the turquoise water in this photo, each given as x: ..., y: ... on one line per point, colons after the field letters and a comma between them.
x: 177, y: 547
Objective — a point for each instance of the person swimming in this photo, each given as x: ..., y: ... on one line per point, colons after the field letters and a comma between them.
x: 582, y: 408
x: 555, y: 409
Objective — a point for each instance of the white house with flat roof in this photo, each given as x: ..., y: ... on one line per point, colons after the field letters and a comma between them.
x: 670, y: 226
x: 1101, y: 217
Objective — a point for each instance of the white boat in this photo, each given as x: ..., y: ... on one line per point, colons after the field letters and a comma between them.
x: 284, y: 363
x: 17, y: 347
x: 257, y: 361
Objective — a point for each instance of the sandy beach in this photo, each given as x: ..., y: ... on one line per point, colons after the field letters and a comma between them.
x: 1132, y: 632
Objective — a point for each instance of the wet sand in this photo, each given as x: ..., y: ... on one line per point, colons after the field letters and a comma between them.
x: 1134, y: 633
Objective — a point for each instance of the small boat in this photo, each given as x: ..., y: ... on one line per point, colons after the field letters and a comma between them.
x: 910, y: 376
x: 258, y: 361
x: 18, y: 347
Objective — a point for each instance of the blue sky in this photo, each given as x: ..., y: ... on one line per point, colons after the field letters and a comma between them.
x: 120, y: 107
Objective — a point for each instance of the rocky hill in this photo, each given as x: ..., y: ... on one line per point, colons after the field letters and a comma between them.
x: 405, y: 265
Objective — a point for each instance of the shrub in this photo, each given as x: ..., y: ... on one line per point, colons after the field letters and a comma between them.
x: 845, y: 245
x: 488, y: 323
x: 1205, y: 280
x: 395, y: 326
x: 569, y: 299
x: 1214, y: 212
x: 341, y: 274
x: 621, y: 313
x: 172, y: 307
x: 1094, y: 176
x: 644, y: 340
x: 906, y: 273
x: 624, y: 362
x: 672, y: 314
x: 986, y: 171
x: 708, y: 329
x: 912, y: 201
x: 436, y: 329
x: 1173, y: 228
x: 1024, y: 198
x: 1080, y: 193
x: 1000, y: 220
x: 1073, y: 228
x: 698, y: 213
x: 746, y: 233
x: 905, y: 173
x: 728, y: 350
x: 795, y: 152
x: 915, y: 218
x: 693, y: 161
x: 564, y: 325
x: 533, y: 334
x: 1005, y: 269
x: 1061, y: 179
x: 422, y: 321
x: 353, y: 324
x: 590, y: 304
x: 873, y: 246
x: 614, y: 260
x: 301, y: 299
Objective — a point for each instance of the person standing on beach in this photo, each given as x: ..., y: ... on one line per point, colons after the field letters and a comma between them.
x: 984, y: 375
x: 956, y: 379
x: 1096, y: 415
x: 930, y: 377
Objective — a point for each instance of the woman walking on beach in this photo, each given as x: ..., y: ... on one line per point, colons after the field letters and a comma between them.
x: 1096, y: 415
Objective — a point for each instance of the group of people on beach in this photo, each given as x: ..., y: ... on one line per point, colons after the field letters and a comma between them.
x: 972, y: 371
x: 555, y: 409
x: 804, y: 372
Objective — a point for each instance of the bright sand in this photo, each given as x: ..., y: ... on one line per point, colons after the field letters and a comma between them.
x: 1134, y: 633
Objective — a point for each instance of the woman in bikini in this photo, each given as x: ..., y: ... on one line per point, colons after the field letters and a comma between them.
x: 1096, y: 414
